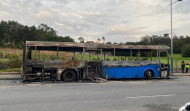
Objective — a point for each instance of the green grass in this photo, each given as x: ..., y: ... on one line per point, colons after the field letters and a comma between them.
x: 11, y: 70
x: 179, y: 58
x: 4, y: 60
x: 176, y: 57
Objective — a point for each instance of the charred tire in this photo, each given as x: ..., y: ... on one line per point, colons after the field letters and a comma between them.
x: 69, y: 76
x: 148, y: 74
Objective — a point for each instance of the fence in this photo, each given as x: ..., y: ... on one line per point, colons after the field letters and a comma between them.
x: 6, y: 65
x: 7, y: 53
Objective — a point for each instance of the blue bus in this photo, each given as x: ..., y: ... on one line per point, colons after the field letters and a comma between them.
x: 68, y: 61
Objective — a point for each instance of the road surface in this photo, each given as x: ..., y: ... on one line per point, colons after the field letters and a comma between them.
x: 130, y: 95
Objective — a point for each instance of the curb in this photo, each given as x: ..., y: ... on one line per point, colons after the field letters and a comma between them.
x: 10, y: 77
x: 180, y: 75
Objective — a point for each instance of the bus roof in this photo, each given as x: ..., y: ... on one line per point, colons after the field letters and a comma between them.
x: 93, y: 46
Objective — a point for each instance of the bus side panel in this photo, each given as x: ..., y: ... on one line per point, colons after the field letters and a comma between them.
x: 154, y: 68
x: 121, y: 72
x: 129, y: 72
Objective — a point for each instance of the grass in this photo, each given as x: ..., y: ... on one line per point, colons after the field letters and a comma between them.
x: 179, y: 58
x: 4, y: 60
x: 11, y: 70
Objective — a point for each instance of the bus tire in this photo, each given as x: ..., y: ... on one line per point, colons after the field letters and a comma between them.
x: 148, y: 74
x: 69, y: 76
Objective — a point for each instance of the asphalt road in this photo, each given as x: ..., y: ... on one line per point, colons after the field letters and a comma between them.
x: 130, y: 95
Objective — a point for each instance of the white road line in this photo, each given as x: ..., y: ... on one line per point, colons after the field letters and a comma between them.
x: 150, y: 96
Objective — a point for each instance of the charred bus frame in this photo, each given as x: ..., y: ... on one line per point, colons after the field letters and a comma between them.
x: 71, y: 70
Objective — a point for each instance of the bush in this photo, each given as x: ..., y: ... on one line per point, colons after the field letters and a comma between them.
x: 11, y: 70
x: 1, y: 54
x: 186, y: 50
x: 14, y: 61
x: 2, y: 65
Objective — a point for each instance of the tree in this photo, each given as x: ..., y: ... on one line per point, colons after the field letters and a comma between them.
x: 103, y: 39
x: 108, y: 43
x: 98, y: 40
x: 46, y: 33
x: 186, y: 50
x: 2, y: 25
x: 81, y: 39
x: 14, y: 34
x: 65, y: 39
x: 11, y: 33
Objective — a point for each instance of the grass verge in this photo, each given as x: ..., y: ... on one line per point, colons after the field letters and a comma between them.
x: 11, y: 70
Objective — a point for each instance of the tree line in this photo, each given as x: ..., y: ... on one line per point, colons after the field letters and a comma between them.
x: 180, y: 43
x: 14, y: 34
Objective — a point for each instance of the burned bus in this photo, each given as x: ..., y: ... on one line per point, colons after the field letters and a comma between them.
x: 92, y: 61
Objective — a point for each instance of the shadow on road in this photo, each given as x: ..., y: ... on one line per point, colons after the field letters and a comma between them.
x: 160, y: 107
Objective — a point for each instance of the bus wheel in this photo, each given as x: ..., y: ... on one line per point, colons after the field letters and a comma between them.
x: 148, y: 74
x: 69, y: 76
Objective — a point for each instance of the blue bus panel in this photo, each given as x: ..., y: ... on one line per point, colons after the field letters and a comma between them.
x: 129, y: 72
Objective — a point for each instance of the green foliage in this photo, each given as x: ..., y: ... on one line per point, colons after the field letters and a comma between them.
x: 108, y: 43
x: 65, y: 39
x: 14, y: 62
x: 1, y: 54
x: 2, y: 65
x: 81, y: 39
x: 186, y: 50
x: 14, y: 34
x: 163, y: 40
x: 4, y: 60
x: 11, y: 70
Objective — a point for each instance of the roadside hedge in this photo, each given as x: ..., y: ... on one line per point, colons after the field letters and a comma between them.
x: 14, y: 61
x: 186, y: 50
x: 2, y: 65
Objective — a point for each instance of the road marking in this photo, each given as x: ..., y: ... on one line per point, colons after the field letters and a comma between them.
x: 150, y: 96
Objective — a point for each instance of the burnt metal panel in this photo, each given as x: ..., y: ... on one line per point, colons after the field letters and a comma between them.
x: 58, y: 64
x: 94, y: 46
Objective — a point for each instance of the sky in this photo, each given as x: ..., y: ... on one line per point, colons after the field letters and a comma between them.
x: 116, y: 20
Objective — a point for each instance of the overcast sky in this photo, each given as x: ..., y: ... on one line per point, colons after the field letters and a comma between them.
x: 116, y: 20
